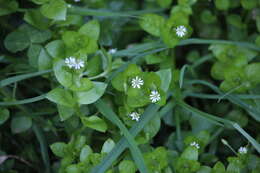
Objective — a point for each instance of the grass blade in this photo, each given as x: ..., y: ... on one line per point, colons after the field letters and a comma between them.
x: 25, y: 101
x: 107, y: 13
x: 43, y: 146
x: 182, y: 73
x: 248, y: 137
x: 255, y: 144
x: 146, y: 117
x: 211, y: 118
x: 18, y: 78
x: 204, y: 41
x: 232, y: 98
x: 215, y: 96
x: 135, y: 151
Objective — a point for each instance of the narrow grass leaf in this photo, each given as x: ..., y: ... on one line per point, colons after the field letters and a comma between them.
x: 43, y: 146
x: 248, y: 137
x: 182, y: 73
x: 135, y: 151
x: 148, y: 114
x: 18, y: 78
x: 25, y: 101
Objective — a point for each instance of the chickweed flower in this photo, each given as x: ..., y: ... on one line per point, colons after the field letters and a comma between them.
x: 242, y: 150
x: 135, y: 116
x: 112, y: 51
x: 137, y: 82
x: 72, y: 62
x: 181, y: 31
x: 155, y: 96
x: 195, y: 144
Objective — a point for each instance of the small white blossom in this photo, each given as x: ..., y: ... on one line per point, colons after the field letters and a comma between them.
x: 112, y: 51
x: 195, y: 144
x: 72, y: 62
x: 80, y: 64
x: 137, y: 82
x: 76, y: 0
x: 242, y: 150
x: 181, y: 31
x: 135, y: 116
x: 155, y: 96
x: 69, y: 5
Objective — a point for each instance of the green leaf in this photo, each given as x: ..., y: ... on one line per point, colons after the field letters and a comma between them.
x: 152, y: 128
x: 33, y: 54
x: 108, y: 146
x: 119, y: 82
x: 81, y: 84
x: 16, y: 41
x: 91, y: 29
x: 62, y: 75
x: 164, y: 3
x: 4, y: 115
x: 204, y: 169
x: 56, y: 49
x: 55, y: 9
x: 44, y: 60
x: 35, y: 35
x: 249, y: 4
x: 91, y: 96
x: 85, y: 153
x: 61, y: 96
x: 152, y: 23
x: 252, y: 72
x: 59, y: 149
x: 168, y: 35
x: 127, y: 166
x: 166, y: 77
x: 7, y: 7
x: 65, y: 112
x: 20, y: 124
x: 36, y: 19
x: 39, y: 2
x: 94, y: 122
x: 222, y: 4
x: 73, y: 168
x: 218, y: 168
x: 190, y: 153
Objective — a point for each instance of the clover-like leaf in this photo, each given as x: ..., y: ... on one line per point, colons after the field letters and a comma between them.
x: 152, y: 23
x: 61, y: 96
x: 92, y: 95
x: 55, y: 9
x: 94, y: 122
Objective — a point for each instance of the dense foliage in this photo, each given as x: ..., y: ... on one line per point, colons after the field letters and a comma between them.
x: 126, y: 86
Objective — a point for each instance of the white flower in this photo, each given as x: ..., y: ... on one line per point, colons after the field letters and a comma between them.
x: 181, y: 31
x: 72, y: 62
x: 195, y: 144
x: 242, y: 150
x: 135, y: 116
x: 155, y: 96
x: 76, y: 0
x: 79, y: 64
x: 112, y: 51
x: 137, y: 82
x: 69, y: 5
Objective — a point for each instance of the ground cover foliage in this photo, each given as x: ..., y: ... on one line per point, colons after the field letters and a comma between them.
x: 127, y: 86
